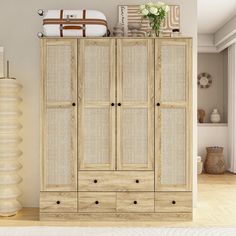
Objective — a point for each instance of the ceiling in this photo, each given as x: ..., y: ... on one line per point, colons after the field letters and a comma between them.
x: 213, y: 14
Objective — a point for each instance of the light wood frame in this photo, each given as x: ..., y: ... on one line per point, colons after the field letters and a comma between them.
x: 154, y: 85
x: 187, y: 105
x: 44, y: 105
x: 149, y: 43
x: 82, y: 44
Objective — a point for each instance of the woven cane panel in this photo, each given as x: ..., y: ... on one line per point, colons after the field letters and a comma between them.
x: 173, y: 73
x: 96, y: 132
x: 59, y: 73
x: 173, y: 146
x: 97, y: 68
x: 135, y: 136
x: 58, y: 146
x: 135, y: 73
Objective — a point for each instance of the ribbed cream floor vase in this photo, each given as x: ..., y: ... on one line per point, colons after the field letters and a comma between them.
x: 9, y: 151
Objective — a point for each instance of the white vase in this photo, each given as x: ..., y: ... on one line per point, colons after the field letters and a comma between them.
x: 215, y: 116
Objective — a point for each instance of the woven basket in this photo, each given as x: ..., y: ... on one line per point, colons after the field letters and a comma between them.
x: 214, y: 163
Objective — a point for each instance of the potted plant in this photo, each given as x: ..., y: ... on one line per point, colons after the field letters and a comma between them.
x: 155, y: 13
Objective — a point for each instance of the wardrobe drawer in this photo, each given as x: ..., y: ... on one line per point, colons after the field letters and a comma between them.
x: 173, y: 202
x: 58, y: 202
x: 135, y: 202
x: 97, y: 202
x: 116, y: 180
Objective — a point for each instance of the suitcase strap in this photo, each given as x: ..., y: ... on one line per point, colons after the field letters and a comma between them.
x: 84, y: 17
x: 61, y: 17
x: 74, y: 22
x: 72, y: 27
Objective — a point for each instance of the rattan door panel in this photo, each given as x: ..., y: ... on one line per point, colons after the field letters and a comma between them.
x: 59, y: 149
x: 59, y: 69
x: 173, y: 115
x: 59, y: 115
x: 135, y: 110
x: 96, y: 114
x: 173, y: 146
x: 173, y: 72
x: 134, y: 133
x: 96, y: 136
x: 96, y: 72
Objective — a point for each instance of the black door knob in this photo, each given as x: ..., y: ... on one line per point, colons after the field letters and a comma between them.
x: 158, y: 104
x: 119, y: 104
x: 58, y: 202
x: 96, y: 202
x: 173, y: 202
x: 137, y: 181
x: 113, y: 104
x: 95, y: 181
x: 135, y: 202
x: 73, y: 104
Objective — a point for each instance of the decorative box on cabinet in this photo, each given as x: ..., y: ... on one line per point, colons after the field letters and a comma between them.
x: 116, y: 129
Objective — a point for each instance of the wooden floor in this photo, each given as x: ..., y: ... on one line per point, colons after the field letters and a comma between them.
x: 216, y: 207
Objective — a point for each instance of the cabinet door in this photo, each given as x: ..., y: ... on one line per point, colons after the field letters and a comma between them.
x: 173, y: 114
x: 59, y: 115
x: 96, y: 104
x: 135, y: 98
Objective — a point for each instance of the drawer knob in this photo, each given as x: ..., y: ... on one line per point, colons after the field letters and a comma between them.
x: 173, y: 202
x: 135, y: 202
x: 96, y: 202
x: 137, y: 181
x: 58, y: 202
x: 112, y: 104
x: 158, y: 104
x: 95, y: 181
x: 73, y: 104
x: 119, y: 104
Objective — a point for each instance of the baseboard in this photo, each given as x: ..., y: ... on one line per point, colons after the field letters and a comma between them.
x: 116, y: 217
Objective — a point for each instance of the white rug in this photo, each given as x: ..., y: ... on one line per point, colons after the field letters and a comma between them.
x: 85, y: 231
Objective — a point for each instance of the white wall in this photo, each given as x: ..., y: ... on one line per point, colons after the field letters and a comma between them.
x: 226, y: 33
x: 19, y: 25
x: 216, y: 96
x: 206, y: 43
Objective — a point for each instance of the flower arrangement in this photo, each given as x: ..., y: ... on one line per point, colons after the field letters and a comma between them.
x: 155, y: 13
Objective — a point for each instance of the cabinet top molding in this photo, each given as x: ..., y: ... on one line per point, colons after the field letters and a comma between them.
x: 167, y: 38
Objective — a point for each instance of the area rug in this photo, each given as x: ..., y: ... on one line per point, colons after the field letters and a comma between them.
x: 113, y: 231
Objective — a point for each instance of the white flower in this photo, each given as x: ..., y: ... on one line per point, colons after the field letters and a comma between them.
x: 167, y: 8
x: 142, y: 7
x: 153, y: 10
x: 145, y: 12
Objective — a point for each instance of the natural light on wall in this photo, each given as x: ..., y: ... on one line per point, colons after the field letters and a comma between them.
x: 9, y: 141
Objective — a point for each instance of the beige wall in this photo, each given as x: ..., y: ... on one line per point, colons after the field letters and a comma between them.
x: 216, y: 95
x: 19, y: 25
x: 1, y: 62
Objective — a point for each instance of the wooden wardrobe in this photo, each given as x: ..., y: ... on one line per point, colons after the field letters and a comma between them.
x: 116, y: 129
